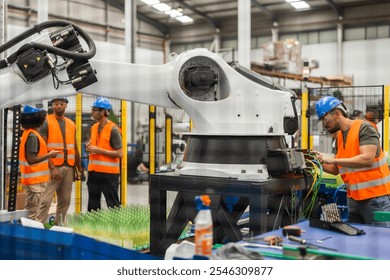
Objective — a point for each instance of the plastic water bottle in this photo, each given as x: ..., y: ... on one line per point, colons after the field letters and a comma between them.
x: 203, y: 227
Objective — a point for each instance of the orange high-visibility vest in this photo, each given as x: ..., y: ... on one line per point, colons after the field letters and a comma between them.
x: 367, y: 182
x: 99, y: 162
x: 55, y: 140
x: 35, y: 173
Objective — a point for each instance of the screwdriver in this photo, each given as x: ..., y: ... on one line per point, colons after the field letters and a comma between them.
x: 304, y: 242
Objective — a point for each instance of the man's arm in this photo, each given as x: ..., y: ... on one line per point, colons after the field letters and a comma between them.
x: 364, y: 159
x: 116, y: 144
x: 32, y: 151
x: 118, y: 153
x: 43, y: 130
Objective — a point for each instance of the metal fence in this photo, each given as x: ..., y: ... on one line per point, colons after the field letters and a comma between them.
x: 357, y: 99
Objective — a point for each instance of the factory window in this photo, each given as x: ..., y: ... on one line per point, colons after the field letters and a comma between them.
x: 383, y: 31
x: 328, y: 36
x: 303, y: 38
x: 177, y: 48
x: 371, y: 32
x: 226, y: 44
x: 313, y: 38
x: 254, y: 43
x: 263, y: 40
x: 353, y: 34
x: 285, y: 37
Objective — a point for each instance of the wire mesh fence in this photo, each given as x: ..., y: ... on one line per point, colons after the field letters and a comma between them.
x: 358, y: 99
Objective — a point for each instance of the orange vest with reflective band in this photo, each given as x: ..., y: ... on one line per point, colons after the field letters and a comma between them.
x: 99, y: 162
x: 55, y: 140
x: 367, y: 182
x: 35, y: 173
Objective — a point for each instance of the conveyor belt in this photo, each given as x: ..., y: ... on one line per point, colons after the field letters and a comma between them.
x: 14, y: 172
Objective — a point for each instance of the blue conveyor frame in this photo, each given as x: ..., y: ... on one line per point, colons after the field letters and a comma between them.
x: 25, y: 243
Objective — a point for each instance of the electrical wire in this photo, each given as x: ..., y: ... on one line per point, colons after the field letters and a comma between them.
x: 314, y: 168
x: 54, y: 50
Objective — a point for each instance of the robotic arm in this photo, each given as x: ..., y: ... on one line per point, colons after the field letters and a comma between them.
x: 238, y: 115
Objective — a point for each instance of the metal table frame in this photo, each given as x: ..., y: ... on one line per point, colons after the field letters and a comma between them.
x: 166, y: 230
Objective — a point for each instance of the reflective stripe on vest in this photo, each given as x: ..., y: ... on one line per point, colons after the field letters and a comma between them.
x: 99, y: 162
x: 367, y: 182
x: 55, y: 140
x: 34, y: 173
x: 376, y: 164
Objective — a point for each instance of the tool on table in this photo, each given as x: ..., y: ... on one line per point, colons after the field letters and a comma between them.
x: 304, y: 242
x: 331, y: 220
x: 291, y: 230
x: 272, y: 240
x: 323, y: 239
x: 256, y: 245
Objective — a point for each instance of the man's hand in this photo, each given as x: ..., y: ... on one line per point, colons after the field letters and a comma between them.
x: 77, y: 175
x: 328, y: 162
x: 94, y: 150
x: 324, y: 158
x: 55, y: 174
x: 53, y: 153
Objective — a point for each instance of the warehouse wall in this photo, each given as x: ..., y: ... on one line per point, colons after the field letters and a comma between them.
x: 367, y: 61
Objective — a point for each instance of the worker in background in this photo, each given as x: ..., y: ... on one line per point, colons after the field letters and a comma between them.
x: 59, y: 133
x: 33, y: 159
x: 357, y: 115
x: 137, y: 169
x: 105, y: 152
x: 359, y: 160
x: 369, y: 117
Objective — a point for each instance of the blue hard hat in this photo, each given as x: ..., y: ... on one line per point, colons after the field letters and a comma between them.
x: 102, y: 103
x: 31, y: 110
x: 326, y: 104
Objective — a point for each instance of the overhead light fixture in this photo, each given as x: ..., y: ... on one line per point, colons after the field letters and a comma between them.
x: 289, y: 1
x: 300, y: 5
x: 162, y: 7
x: 174, y: 13
x: 150, y: 2
x: 185, y: 19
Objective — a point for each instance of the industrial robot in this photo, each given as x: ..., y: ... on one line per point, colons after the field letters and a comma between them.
x: 241, y: 119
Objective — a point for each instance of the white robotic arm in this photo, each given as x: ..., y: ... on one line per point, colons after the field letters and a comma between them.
x: 238, y: 115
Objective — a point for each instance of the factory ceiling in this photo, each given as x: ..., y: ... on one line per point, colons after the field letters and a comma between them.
x: 218, y: 14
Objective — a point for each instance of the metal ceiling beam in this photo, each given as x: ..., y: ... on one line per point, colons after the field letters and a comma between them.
x: 161, y: 27
x: 158, y: 25
x: 270, y: 14
x: 212, y: 21
x: 335, y: 8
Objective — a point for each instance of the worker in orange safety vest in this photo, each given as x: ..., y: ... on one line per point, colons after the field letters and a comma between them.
x: 59, y: 133
x: 105, y: 152
x: 359, y: 160
x: 33, y: 159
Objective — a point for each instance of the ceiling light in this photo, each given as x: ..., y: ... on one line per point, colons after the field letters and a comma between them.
x: 162, y: 7
x: 289, y: 1
x: 174, y: 13
x: 300, y: 5
x: 185, y: 19
x: 150, y: 2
